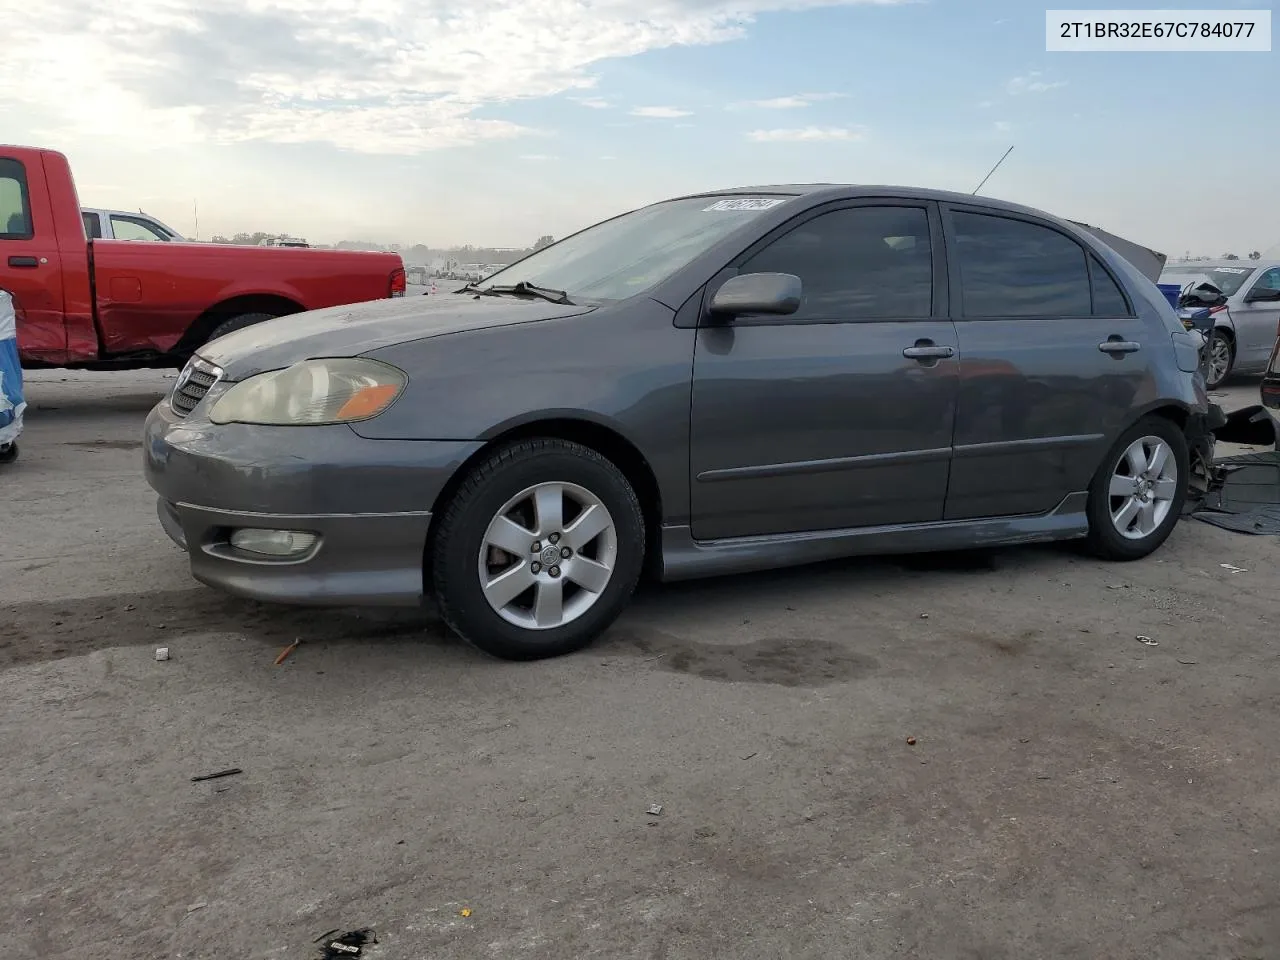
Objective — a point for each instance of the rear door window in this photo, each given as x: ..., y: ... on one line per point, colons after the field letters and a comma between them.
x: 92, y: 226
x: 1014, y: 268
x: 1108, y: 300
x: 15, y: 205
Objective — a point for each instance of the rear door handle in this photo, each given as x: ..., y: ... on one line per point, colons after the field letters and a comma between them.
x: 925, y: 350
x: 1115, y: 345
x: 29, y: 263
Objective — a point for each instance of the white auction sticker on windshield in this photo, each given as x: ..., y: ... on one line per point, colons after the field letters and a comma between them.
x: 745, y: 203
x: 1230, y: 270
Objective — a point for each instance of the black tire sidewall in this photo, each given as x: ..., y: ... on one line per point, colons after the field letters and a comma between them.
x: 457, y: 548
x: 238, y: 323
x: 1105, y: 540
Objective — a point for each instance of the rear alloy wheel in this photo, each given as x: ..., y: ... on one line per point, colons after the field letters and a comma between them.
x: 1220, y: 358
x: 538, y: 551
x: 1136, y: 498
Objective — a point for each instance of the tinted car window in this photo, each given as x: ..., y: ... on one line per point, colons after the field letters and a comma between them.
x: 15, y: 211
x: 860, y: 263
x: 92, y: 226
x: 1011, y: 268
x: 1108, y: 301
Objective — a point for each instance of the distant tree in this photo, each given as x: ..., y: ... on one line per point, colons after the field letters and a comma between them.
x: 219, y: 238
x: 544, y: 241
x: 1229, y: 256
x: 1255, y: 255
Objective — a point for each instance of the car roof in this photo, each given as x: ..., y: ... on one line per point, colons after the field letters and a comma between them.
x: 850, y: 191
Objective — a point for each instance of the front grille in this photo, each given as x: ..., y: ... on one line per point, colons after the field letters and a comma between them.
x: 196, y: 380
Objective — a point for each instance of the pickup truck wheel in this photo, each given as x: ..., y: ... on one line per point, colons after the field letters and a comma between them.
x: 238, y: 323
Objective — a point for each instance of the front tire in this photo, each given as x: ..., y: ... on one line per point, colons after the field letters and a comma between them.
x: 1136, y: 497
x: 538, y: 551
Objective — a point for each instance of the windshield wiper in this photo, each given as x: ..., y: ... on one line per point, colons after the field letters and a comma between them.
x: 522, y: 289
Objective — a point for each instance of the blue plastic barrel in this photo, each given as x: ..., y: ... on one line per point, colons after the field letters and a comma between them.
x: 1171, y: 292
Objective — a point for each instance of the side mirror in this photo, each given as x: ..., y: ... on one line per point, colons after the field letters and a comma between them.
x: 775, y: 294
x: 1262, y: 295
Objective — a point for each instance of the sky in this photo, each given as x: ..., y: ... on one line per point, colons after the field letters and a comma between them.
x: 496, y: 121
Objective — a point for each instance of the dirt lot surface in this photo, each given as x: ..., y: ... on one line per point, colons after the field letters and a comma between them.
x: 1071, y: 792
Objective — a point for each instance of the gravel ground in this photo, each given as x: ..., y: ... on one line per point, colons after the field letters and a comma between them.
x: 1070, y: 792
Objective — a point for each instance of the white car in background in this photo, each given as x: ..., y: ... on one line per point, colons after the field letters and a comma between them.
x: 1246, y: 326
x: 123, y: 225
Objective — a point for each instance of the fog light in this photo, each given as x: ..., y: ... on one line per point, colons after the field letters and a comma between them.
x: 273, y: 543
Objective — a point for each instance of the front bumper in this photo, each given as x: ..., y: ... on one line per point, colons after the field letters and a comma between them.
x: 367, y: 502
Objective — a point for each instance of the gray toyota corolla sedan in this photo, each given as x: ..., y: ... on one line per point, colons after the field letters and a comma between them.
x: 713, y: 384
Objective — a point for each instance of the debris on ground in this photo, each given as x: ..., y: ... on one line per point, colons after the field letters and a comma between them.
x: 284, y: 654
x: 350, y: 944
x: 464, y: 912
x: 750, y: 755
x: 1232, y: 568
x: 199, y: 905
x: 162, y: 653
x: 1244, y: 494
x: 1188, y: 663
x: 655, y: 809
x: 214, y: 776
x: 911, y: 741
x: 1147, y: 640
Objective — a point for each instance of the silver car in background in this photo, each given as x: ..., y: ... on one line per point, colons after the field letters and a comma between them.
x: 1245, y: 327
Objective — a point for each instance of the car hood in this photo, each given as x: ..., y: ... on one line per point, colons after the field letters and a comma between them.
x: 352, y: 330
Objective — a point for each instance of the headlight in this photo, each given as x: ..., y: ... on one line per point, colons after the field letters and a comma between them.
x: 340, y: 390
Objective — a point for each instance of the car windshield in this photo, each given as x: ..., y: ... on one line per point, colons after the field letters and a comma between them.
x: 1226, y: 279
x: 631, y: 253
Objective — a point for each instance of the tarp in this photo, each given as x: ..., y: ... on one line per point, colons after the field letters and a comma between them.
x: 12, y: 403
x: 1149, y: 262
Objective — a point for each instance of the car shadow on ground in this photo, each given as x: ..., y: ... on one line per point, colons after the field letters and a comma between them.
x: 38, y: 631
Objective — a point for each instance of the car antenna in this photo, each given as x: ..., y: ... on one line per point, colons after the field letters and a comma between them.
x: 992, y: 170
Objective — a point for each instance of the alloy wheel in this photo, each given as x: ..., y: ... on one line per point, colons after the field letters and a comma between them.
x: 548, y: 555
x: 1143, y: 487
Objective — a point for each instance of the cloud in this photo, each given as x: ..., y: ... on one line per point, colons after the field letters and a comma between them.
x: 1031, y: 83
x: 536, y: 156
x: 607, y: 157
x: 986, y: 105
x: 661, y: 113
x: 375, y: 76
x: 804, y: 134
x: 787, y: 103
x: 1002, y: 126
x: 595, y: 103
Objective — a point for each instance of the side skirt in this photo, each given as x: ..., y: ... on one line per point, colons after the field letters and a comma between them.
x: 684, y: 558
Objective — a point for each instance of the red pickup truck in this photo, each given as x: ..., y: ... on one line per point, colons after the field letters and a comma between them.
x: 108, y: 304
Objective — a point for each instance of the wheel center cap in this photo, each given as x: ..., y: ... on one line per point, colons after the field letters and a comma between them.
x: 549, y: 556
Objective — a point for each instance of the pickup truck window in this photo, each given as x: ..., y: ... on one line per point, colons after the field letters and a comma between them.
x: 92, y: 226
x: 15, y: 206
x: 132, y: 228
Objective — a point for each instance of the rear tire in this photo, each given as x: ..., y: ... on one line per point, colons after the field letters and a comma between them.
x: 238, y: 323
x: 9, y: 452
x: 1220, y: 358
x: 1136, y: 496
x: 538, y: 551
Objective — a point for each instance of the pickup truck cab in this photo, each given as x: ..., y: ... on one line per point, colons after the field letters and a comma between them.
x: 123, y: 225
x: 98, y: 303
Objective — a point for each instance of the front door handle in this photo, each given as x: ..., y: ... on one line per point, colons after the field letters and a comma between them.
x: 29, y: 263
x: 928, y: 350
x: 1114, y: 345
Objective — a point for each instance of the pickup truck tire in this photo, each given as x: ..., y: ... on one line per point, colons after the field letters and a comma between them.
x: 238, y: 323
